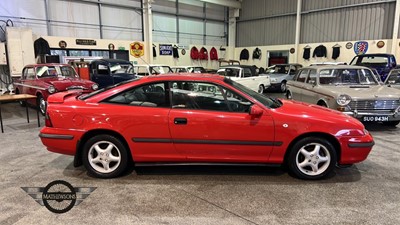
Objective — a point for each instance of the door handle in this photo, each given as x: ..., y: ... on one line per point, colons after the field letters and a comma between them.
x: 181, y: 121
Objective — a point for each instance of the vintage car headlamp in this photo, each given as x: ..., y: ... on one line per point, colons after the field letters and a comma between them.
x: 343, y: 100
x: 51, y: 89
x: 95, y: 87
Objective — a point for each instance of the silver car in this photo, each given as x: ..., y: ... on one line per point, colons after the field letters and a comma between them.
x: 280, y: 74
x: 352, y: 90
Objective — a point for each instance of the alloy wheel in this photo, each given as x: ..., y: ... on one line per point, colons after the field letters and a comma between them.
x: 313, y: 159
x: 104, y: 157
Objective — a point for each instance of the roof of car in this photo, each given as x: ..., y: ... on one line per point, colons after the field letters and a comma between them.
x: 47, y: 64
x: 335, y: 67
x: 186, y: 76
x: 112, y: 60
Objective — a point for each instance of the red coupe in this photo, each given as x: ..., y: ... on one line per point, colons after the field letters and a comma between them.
x: 198, y: 119
x: 43, y: 80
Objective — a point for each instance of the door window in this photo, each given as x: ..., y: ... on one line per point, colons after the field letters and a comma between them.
x: 247, y: 72
x: 302, y: 76
x: 150, y: 95
x: 312, y: 78
x: 30, y: 73
x: 206, y: 96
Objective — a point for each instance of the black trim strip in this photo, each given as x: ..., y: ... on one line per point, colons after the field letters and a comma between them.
x: 361, y: 145
x: 204, y: 164
x: 215, y: 142
x: 56, y: 136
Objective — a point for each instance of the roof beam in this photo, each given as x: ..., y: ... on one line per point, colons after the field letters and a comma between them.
x: 228, y: 3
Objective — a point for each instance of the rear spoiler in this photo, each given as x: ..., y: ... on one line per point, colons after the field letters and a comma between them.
x: 59, y: 97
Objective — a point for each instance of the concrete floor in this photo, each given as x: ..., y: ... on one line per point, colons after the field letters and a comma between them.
x: 367, y: 193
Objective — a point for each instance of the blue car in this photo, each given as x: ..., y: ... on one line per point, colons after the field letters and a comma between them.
x: 106, y: 72
x: 383, y: 63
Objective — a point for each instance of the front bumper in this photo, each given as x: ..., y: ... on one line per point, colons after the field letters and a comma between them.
x: 355, y: 149
x: 391, y: 116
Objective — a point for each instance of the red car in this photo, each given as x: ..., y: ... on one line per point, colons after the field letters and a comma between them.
x: 198, y: 119
x: 43, y: 80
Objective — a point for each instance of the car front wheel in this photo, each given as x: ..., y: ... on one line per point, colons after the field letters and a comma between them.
x: 261, y: 89
x: 104, y: 156
x: 312, y: 158
x: 283, y: 87
x: 41, y: 103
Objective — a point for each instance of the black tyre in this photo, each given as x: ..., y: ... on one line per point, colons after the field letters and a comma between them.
x: 283, y: 87
x: 312, y: 158
x: 391, y: 123
x: 261, y: 89
x: 41, y: 104
x: 289, y: 95
x: 105, y: 156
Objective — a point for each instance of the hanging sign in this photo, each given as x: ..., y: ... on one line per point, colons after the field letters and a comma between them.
x: 165, y: 49
x: 85, y: 42
x: 360, y: 47
x: 136, y: 49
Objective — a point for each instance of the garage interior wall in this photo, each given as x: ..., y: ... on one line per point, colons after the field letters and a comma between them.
x: 270, y: 25
x: 176, y: 22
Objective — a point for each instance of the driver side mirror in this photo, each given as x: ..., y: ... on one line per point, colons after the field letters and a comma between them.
x: 256, y: 111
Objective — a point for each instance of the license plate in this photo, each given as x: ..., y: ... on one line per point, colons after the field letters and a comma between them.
x: 375, y: 118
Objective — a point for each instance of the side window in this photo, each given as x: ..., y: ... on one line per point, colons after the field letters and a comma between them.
x: 150, y: 95
x: 102, y: 69
x: 302, y: 76
x: 312, y: 77
x: 221, y: 72
x: 246, y: 72
x: 30, y: 73
x: 206, y: 96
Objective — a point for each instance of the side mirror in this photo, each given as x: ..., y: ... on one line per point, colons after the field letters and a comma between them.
x: 256, y: 111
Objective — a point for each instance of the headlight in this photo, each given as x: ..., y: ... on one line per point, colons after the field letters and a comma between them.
x: 51, y: 89
x: 95, y: 87
x: 343, y: 100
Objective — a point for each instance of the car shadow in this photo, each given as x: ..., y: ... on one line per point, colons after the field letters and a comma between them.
x: 380, y: 127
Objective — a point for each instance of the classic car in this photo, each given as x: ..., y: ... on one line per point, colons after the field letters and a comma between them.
x: 108, y: 72
x: 383, y: 63
x: 188, y: 69
x: 199, y: 119
x: 352, y: 90
x: 43, y: 80
x: 247, y: 76
x: 393, y: 79
x: 279, y: 75
x: 145, y: 70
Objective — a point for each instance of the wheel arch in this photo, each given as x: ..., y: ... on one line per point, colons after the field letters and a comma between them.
x: 92, y: 133
x: 322, y: 102
x: 326, y: 136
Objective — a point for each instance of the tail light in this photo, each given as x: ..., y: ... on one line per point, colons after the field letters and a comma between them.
x: 47, y: 120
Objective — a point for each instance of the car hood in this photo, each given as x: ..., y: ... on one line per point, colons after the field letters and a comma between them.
x: 364, y: 91
x: 305, y: 113
x: 62, y: 84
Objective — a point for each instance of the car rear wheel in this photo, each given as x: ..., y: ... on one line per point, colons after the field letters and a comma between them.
x: 105, y: 156
x: 261, y: 89
x: 41, y: 103
x: 391, y: 123
x: 312, y: 158
x: 283, y: 87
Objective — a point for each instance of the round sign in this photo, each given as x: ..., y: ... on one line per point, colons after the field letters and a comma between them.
x: 62, y: 44
x: 183, y: 52
x: 349, y: 45
x: 292, y: 50
x: 59, y: 196
x: 380, y: 44
x: 111, y: 46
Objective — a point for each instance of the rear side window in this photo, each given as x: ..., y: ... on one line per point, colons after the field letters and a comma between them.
x: 302, y: 76
x: 150, y: 95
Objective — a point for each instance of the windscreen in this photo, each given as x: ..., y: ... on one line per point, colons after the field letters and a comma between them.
x: 347, y: 77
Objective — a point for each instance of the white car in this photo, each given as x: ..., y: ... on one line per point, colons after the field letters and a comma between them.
x: 145, y: 70
x: 188, y: 69
x: 246, y: 76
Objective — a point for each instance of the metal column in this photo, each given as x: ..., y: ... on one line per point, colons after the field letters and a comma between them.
x: 395, y: 27
x: 298, y: 24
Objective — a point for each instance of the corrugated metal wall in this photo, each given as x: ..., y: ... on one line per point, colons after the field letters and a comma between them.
x: 273, y: 22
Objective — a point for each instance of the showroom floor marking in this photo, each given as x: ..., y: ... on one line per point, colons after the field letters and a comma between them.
x: 220, y: 207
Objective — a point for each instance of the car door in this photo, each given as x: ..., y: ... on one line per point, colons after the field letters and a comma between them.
x: 310, y: 91
x: 248, y: 80
x: 296, y: 86
x: 211, y: 123
x: 143, y: 117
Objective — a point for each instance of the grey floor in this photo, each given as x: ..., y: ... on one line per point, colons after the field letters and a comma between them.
x: 367, y: 193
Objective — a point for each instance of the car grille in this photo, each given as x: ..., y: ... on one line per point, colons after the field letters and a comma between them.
x: 375, y: 104
x: 75, y: 87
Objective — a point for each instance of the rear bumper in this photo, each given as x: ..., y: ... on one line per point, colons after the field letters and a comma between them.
x: 355, y: 149
x: 61, y: 141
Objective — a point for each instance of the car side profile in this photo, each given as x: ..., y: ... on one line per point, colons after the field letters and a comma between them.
x: 42, y: 80
x: 280, y: 74
x: 199, y: 119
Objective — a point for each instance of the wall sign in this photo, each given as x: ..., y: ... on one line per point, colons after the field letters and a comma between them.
x: 380, y: 44
x: 292, y: 50
x: 85, y: 42
x: 136, y: 49
x: 165, y: 49
x: 349, y: 45
x: 360, y: 47
x: 111, y: 46
x: 62, y: 44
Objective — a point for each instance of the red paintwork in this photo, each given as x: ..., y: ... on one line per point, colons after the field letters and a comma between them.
x: 40, y: 85
x: 70, y: 116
